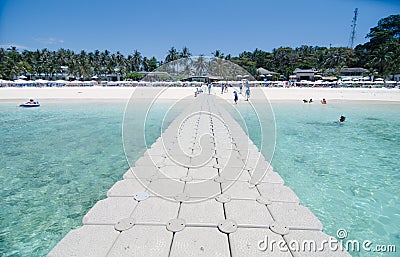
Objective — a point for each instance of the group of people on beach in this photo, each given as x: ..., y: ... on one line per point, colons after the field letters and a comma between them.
x: 236, y: 96
x: 224, y: 89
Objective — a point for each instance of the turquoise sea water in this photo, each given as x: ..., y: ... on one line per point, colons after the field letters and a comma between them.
x: 347, y: 174
x: 58, y: 160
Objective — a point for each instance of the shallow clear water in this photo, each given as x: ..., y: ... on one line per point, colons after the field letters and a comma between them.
x: 347, y: 174
x: 58, y: 160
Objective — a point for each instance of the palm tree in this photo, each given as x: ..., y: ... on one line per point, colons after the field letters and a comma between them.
x: 173, y: 55
x: 381, y: 58
x: 218, y: 54
x: 145, y: 64
x: 137, y: 60
x: 185, y: 52
x: 152, y: 63
x: 218, y: 67
x: 200, y: 65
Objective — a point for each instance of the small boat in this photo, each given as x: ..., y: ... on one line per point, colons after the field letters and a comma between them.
x: 31, y: 103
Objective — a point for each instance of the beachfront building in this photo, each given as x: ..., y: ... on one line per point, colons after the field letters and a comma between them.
x: 395, y: 77
x: 352, y: 73
x: 152, y: 76
x: 308, y: 75
x: 203, y: 79
x: 266, y: 74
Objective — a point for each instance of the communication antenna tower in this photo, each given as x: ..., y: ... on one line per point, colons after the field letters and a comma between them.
x: 353, y: 29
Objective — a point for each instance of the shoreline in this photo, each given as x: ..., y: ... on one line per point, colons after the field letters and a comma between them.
x: 174, y: 93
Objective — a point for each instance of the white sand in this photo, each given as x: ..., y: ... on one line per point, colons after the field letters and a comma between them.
x: 124, y: 93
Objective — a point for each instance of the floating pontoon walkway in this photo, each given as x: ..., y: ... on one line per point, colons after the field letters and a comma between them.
x: 198, y: 192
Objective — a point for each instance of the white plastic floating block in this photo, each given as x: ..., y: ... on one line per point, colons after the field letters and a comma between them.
x: 89, y: 240
x: 155, y: 210
x: 128, y: 187
x: 239, y: 189
x: 256, y: 242
x: 208, y: 212
x: 272, y: 177
x: 203, y: 160
x: 156, y: 149
x: 294, y: 216
x: 278, y: 192
x: 110, y: 210
x: 232, y: 162
x: 141, y: 240
x: 166, y: 187
x: 234, y: 173
x: 248, y: 212
x: 196, y: 241
x: 180, y: 159
x: 141, y: 172
x: 202, y: 188
x: 173, y: 171
x: 203, y: 173
x: 146, y: 160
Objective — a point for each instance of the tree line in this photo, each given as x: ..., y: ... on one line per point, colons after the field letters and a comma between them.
x: 380, y: 55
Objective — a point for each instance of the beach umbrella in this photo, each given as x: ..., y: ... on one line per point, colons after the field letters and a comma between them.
x: 20, y: 81
x: 41, y: 81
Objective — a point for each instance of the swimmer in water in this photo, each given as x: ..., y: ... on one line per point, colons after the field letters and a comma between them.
x: 323, y: 101
x: 342, y: 119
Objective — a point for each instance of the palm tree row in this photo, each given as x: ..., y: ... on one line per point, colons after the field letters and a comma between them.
x: 284, y: 60
x: 45, y: 63
x: 380, y: 55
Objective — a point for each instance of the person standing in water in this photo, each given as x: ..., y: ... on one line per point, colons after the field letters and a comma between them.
x: 235, y: 97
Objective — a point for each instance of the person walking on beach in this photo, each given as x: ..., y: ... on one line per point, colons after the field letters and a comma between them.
x: 247, y: 93
x: 240, y: 88
x: 222, y: 88
x: 209, y: 88
x: 235, y: 97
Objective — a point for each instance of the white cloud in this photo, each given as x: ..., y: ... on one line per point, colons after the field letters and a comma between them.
x: 49, y: 41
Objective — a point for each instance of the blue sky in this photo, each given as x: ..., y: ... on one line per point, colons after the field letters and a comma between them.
x: 154, y: 26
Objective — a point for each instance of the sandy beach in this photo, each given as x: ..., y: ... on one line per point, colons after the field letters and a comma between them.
x: 273, y: 94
